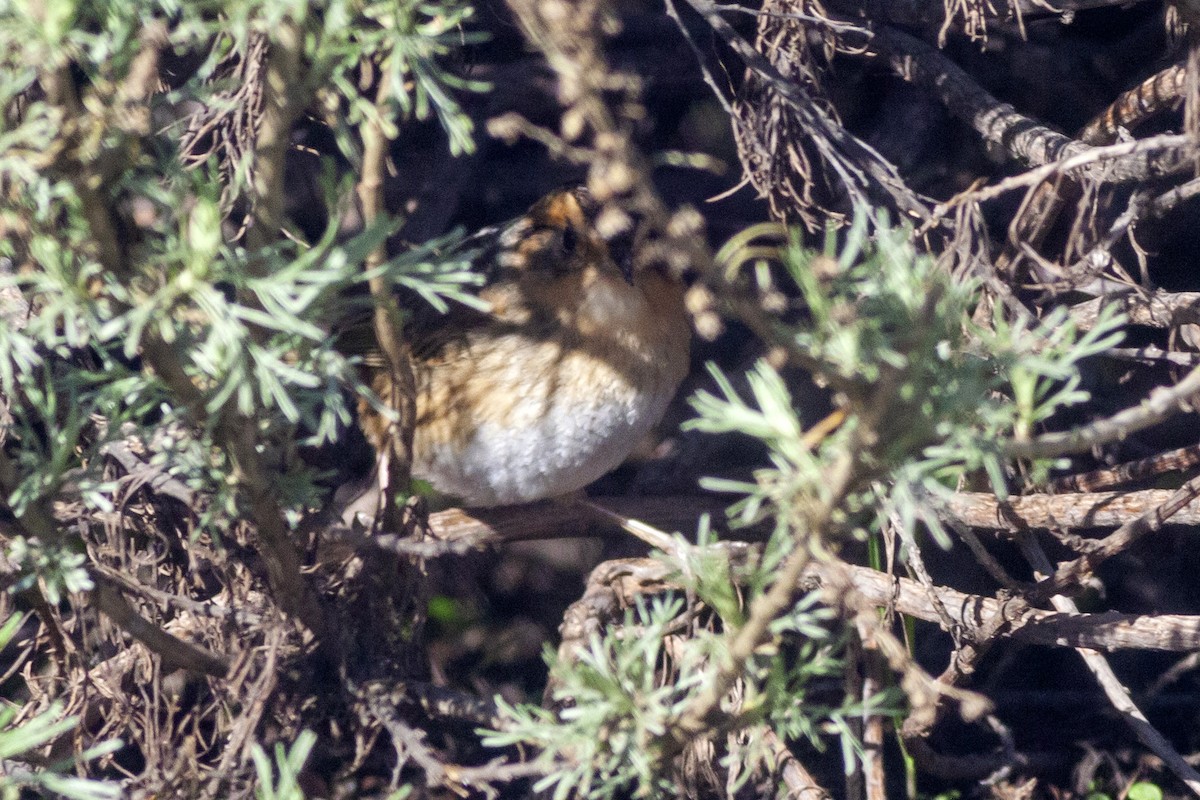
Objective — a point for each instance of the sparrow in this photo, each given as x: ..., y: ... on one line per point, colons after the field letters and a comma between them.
x: 572, y: 363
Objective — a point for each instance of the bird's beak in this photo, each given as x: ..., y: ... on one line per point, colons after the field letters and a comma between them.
x: 620, y: 249
x: 626, y: 265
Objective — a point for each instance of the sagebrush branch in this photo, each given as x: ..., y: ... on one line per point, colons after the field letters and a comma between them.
x: 1072, y: 573
x: 237, y: 434
x: 1156, y: 309
x: 1024, y: 139
x: 284, y: 99
x: 985, y: 511
x: 1117, y: 694
x: 1161, y: 404
x: 616, y: 584
x: 387, y: 319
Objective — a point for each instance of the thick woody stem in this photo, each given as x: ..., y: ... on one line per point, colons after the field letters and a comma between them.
x: 283, y: 102
x: 237, y: 434
x: 387, y: 321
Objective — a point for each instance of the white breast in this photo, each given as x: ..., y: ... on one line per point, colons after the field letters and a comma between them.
x: 557, y: 410
x: 555, y: 442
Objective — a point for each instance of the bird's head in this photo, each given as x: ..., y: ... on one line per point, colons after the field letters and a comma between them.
x: 558, y: 238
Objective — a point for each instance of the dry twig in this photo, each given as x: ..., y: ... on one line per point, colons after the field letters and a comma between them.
x: 1162, y: 403
x: 1117, y: 694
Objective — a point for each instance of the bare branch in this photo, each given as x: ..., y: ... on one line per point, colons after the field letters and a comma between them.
x: 1070, y: 574
x: 1117, y: 694
x: 172, y: 649
x: 1177, y: 460
x: 1163, y: 403
x: 401, y: 385
x: 1158, y: 309
x: 614, y: 584
x: 283, y: 102
x: 862, y: 172
x: 1024, y: 139
x: 1157, y: 93
x: 985, y: 511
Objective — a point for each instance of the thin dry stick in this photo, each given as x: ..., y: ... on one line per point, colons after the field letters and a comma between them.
x: 1000, y: 124
x: 652, y: 536
x: 241, y: 735
x: 1160, y: 405
x: 1168, y: 200
x: 1170, y: 144
x: 857, y: 165
x: 377, y: 701
x: 1117, y: 694
x: 1177, y: 670
x: 1175, y: 460
x: 199, y: 608
x: 497, y: 771
x: 705, y: 72
x: 156, y: 478
x: 1156, y: 309
x: 397, y: 462
x: 985, y: 559
x: 37, y: 521
x: 1154, y: 355
x: 840, y: 589
x: 172, y: 649
x: 1073, y: 572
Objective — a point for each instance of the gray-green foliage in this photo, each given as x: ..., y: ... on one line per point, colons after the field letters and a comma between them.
x: 24, y: 739
x: 619, y: 696
x: 892, y: 330
x: 931, y: 396
x: 250, y: 327
x: 282, y: 781
x: 615, y: 707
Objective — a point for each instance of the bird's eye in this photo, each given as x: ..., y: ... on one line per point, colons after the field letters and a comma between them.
x: 570, y: 240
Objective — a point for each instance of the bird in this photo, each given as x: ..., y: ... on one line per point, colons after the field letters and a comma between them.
x: 573, y: 360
